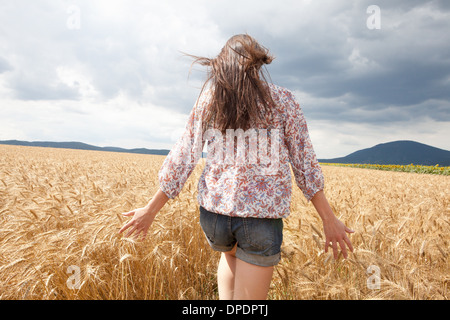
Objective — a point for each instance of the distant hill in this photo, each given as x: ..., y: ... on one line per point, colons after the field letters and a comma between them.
x: 83, y: 146
x: 397, y: 152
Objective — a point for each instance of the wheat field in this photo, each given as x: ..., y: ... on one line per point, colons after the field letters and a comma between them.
x: 60, y: 211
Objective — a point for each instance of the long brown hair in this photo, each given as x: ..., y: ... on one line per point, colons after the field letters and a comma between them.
x: 240, y: 94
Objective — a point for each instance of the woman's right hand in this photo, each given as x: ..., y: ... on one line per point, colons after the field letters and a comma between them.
x: 143, y: 217
x: 336, y: 232
x: 140, y: 223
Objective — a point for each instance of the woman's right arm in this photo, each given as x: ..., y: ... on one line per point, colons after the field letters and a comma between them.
x: 185, y: 154
x: 175, y: 170
x: 143, y: 217
x: 335, y: 231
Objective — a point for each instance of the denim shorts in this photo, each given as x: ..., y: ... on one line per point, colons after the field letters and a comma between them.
x: 258, y: 239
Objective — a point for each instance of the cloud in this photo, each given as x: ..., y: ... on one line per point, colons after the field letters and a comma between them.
x: 119, y: 47
x: 404, y: 62
x: 4, y: 65
x: 113, y: 72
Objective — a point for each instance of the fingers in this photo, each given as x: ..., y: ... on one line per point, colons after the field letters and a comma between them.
x: 349, y: 243
x: 136, y: 228
x: 343, y: 248
x: 125, y: 227
x: 130, y: 232
x: 333, y: 246
x: 143, y: 235
x: 343, y: 244
x: 348, y: 230
x: 139, y: 234
x: 327, y: 243
x: 129, y: 213
x: 335, y: 249
x: 129, y: 224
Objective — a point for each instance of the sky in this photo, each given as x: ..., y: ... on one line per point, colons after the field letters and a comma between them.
x: 114, y: 73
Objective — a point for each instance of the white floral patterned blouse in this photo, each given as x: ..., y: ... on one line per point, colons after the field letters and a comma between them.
x: 256, y: 183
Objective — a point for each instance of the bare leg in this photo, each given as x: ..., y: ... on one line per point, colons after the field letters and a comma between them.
x: 240, y: 280
x: 226, y: 274
x: 252, y: 282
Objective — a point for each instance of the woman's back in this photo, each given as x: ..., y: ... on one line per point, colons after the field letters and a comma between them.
x: 247, y: 172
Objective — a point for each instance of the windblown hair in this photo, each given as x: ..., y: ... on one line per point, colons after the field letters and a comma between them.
x: 240, y: 94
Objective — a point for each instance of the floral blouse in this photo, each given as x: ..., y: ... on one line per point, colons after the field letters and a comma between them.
x: 256, y: 183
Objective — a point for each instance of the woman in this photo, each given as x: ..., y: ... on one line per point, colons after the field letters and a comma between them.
x: 244, y: 196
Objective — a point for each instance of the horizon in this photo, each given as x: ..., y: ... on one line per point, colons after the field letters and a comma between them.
x: 204, y: 152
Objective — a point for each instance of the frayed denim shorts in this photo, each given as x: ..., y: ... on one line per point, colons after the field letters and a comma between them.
x: 258, y: 239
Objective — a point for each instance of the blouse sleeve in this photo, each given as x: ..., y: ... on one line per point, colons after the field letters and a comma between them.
x: 183, y: 157
x: 307, y: 172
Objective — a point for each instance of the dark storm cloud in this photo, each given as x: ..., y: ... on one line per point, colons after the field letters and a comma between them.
x: 399, y: 67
